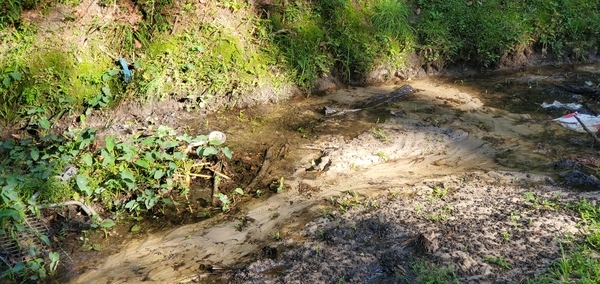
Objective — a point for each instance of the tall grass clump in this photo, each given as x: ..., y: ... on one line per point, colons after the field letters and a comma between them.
x: 566, y: 28
x: 299, y: 34
x: 391, y: 21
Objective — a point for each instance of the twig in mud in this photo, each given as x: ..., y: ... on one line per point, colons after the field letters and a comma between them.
x: 175, y: 24
x: 322, y: 149
x: 88, y: 210
x: 263, y: 169
x: 194, y: 175
x: 216, y: 181
x: 594, y: 137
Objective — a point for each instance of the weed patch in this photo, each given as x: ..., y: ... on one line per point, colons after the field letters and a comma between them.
x: 137, y: 175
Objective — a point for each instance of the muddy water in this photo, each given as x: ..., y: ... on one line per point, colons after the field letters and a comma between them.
x: 450, y: 126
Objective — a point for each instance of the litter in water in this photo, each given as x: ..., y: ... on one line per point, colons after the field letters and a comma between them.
x: 570, y: 121
x: 557, y: 105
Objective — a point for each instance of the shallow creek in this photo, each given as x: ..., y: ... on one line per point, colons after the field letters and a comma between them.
x: 450, y: 127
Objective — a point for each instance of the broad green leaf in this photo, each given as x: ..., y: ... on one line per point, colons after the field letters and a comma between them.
x: 185, y: 138
x: 110, y: 142
x: 179, y: 155
x: 54, y: 256
x: 82, y: 183
x: 164, y: 130
x: 149, y: 157
x: 107, y: 158
x: 10, y: 194
x: 113, y: 72
x: 33, y: 252
x: 207, y: 151
x: 97, y: 247
x: 106, y: 91
x: 198, y: 48
x: 7, y: 212
x: 35, y: 154
x: 16, y: 75
x: 18, y: 267
x: 107, y: 224
x: 148, y: 141
x: 44, y: 123
x: 87, y: 159
x: 128, y: 150
x: 143, y: 163
x: 239, y: 191
x: 226, y: 152
x: 6, y: 81
x: 45, y: 239
x: 222, y: 197
x: 135, y: 228
x: 158, y: 174
x: 150, y: 202
x: 87, y: 138
x: 169, y: 144
x: 132, y: 204
x: 215, y: 142
x: 128, y: 178
x: 200, y: 139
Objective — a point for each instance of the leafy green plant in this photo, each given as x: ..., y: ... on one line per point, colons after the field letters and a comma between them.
x: 438, y: 193
x: 499, y: 261
x: 135, y: 174
x: 380, y: 134
x: 226, y: 202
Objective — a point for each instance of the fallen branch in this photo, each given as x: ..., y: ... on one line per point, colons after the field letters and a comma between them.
x: 594, y: 137
x: 88, y: 210
x: 263, y: 169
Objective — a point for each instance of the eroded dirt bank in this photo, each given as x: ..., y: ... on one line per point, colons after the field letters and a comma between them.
x: 457, y: 173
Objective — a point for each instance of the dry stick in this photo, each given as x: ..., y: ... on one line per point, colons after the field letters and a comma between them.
x: 216, y: 181
x: 263, y: 169
x: 88, y: 210
x: 588, y: 131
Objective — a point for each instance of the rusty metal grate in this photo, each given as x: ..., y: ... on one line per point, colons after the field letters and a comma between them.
x: 24, y: 245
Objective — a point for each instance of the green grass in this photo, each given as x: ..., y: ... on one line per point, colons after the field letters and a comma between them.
x: 427, y: 272
x: 213, y: 65
x: 579, y: 261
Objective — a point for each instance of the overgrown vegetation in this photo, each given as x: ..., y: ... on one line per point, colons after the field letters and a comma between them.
x: 212, y: 63
x: 351, y: 38
x: 136, y: 175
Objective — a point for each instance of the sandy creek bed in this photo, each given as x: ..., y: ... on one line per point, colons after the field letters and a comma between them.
x: 464, y: 163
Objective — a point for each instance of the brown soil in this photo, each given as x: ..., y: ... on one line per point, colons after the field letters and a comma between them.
x: 440, y: 176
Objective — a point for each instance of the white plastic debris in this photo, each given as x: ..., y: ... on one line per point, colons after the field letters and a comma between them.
x: 213, y: 136
x: 557, y: 104
x: 218, y: 136
x: 569, y: 121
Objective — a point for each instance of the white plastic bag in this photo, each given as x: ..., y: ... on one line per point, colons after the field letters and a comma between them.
x: 557, y: 104
x: 569, y: 121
